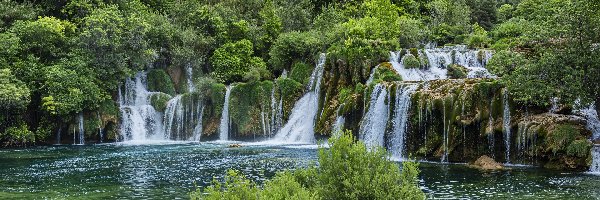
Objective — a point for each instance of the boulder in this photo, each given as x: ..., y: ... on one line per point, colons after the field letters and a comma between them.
x: 487, y: 163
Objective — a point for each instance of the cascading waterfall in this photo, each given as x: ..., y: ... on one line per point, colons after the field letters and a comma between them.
x: 300, y: 126
x: 140, y: 121
x: 506, y: 125
x: 197, y: 134
x: 100, y: 130
x: 174, y: 117
x: 445, y: 138
x: 373, y: 125
x: 434, y: 62
x: 592, y: 124
x: 491, y: 139
x: 224, y: 126
x: 58, y: 134
x: 396, y: 142
x: 81, y: 131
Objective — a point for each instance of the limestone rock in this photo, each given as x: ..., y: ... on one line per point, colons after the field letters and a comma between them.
x: 487, y: 163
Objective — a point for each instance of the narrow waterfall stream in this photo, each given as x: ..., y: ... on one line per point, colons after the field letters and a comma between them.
x: 300, y: 126
x: 224, y: 125
x: 506, y: 125
x: 374, y: 123
x: 399, y: 122
x: 593, y: 124
x: 81, y: 131
x: 174, y: 118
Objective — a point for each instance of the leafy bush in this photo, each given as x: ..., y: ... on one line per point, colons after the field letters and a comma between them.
x: 561, y: 137
x: 17, y: 135
x: 291, y: 47
x: 14, y: 94
x: 580, y: 148
x: 347, y: 170
x: 478, y: 37
x: 159, y: 101
x: 410, y: 61
x: 505, y: 63
x: 159, y: 81
x: 386, y: 73
x: 301, y: 72
x: 233, y: 60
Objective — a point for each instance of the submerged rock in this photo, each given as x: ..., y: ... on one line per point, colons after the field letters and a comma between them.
x: 235, y: 145
x: 487, y: 163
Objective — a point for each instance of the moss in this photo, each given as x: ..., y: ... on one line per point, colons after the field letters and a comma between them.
x: 159, y: 81
x: 91, y: 125
x: 248, y: 101
x: 290, y: 90
x: 457, y: 71
x: 301, y: 72
x: 386, y: 73
x: 159, y: 101
x: 561, y: 137
x: 410, y: 61
x: 580, y: 148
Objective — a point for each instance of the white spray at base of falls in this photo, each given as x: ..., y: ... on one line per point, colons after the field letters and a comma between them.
x: 300, y: 126
x: 140, y: 121
x: 373, y: 125
x: 506, y: 125
x: 224, y: 125
x: 399, y: 122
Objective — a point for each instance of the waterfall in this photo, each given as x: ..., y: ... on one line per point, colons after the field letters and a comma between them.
x: 372, y: 127
x: 190, y: 82
x: 435, y: 60
x: 174, y: 118
x: 197, y: 134
x: 81, y: 131
x: 491, y: 139
x: 592, y: 124
x: 100, y: 131
x: 140, y: 121
x: 396, y: 143
x: 224, y: 126
x: 506, y: 125
x: 445, y: 138
x: 300, y: 126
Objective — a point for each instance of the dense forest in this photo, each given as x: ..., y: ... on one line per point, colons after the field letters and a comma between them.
x: 61, y: 58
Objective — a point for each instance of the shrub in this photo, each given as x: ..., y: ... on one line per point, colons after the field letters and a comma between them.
x: 561, y: 137
x: 159, y: 81
x: 347, y: 170
x: 301, y: 72
x: 579, y: 148
x: 159, y: 101
x: 233, y: 60
x: 410, y: 61
x: 505, y: 62
x: 17, y: 135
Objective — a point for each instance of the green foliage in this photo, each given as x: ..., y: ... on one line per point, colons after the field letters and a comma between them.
x: 251, y: 100
x: 580, y: 148
x: 301, y: 72
x: 44, y: 37
x: 456, y: 71
x: 386, y: 73
x: 14, y: 94
x: 17, y: 136
x: 233, y: 60
x: 13, y: 11
x: 412, y: 32
x: 291, y: 47
x: 347, y: 170
x: 505, y: 12
x: 159, y: 101
x: 410, y: 61
x: 505, y: 62
x: 561, y: 138
x: 478, y: 37
x: 66, y: 92
x: 159, y: 81
x: 450, y: 18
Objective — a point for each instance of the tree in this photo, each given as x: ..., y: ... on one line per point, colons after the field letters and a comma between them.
x: 46, y: 38
x: 233, y: 60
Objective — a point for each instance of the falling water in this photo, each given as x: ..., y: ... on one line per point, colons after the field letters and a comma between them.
x: 445, y: 138
x: 140, y: 121
x: 190, y: 83
x: 396, y: 143
x: 300, y: 126
x: 100, y: 130
x: 224, y: 126
x: 58, y: 134
x: 593, y: 124
x: 491, y: 139
x: 174, y: 118
x: 372, y: 127
x: 197, y: 134
x: 81, y: 132
x: 506, y: 125
x: 438, y: 59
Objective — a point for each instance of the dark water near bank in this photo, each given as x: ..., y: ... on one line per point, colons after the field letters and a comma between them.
x: 168, y: 171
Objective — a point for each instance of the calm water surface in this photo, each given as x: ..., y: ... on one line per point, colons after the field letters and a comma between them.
x: 172, y: 170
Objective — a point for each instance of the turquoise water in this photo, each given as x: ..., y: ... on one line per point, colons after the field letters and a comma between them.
x: 172, y: 170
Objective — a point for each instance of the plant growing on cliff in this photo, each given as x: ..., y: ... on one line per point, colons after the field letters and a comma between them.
x: 347, y: 170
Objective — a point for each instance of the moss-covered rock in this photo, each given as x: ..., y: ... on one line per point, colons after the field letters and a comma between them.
x: 457, y: 71
x: 250, y: 108
x: 159, y: 101
x: 160, y: 81
x: 410, y: 61
x: 385, y: 73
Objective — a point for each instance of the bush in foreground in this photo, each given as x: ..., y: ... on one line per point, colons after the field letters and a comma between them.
x: 347, y: 170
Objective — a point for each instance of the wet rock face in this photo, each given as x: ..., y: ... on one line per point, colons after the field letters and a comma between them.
x: 487, y: 163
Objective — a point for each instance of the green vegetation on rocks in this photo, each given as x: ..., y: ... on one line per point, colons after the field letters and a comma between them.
x: 159, y: 81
